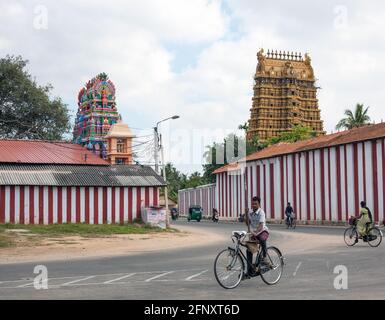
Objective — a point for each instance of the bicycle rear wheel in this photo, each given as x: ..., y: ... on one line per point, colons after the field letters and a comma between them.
x: 228, y: 268
x: 294, y: 224
x: 350, y: 236
x: 271, y: 275
x: 374, y: 237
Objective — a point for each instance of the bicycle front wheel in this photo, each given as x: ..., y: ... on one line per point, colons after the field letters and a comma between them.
x: 228, y: 268
x: 374, y: 237
x: 350, y: 236
x: 272, y: 274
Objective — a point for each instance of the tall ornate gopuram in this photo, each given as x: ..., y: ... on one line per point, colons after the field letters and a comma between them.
x: 285, y: 95
x: 96, y: 113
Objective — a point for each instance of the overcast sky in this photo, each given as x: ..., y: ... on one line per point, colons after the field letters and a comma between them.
x: 197, y: 58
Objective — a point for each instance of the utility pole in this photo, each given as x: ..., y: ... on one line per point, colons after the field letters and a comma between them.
x: 156, y: 143
x: 156, y: 149
x: 165, y: 188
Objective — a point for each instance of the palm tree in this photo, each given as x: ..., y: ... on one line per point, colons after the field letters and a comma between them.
x: 355, y: 119
x: 244, y: 126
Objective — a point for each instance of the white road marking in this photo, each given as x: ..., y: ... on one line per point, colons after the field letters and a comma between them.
x: 75, y: 281
x: 196, y: 275
x: 49, y: 279
x: 104, y: 275
x: 296, y: 269
x: 158, y: 276
x: 120, y: 278
x: 25, y: 285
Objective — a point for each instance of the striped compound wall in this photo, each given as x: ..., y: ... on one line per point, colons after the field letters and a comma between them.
x: 93, y: 205
x: 203, y: 196
x: 324, y: 185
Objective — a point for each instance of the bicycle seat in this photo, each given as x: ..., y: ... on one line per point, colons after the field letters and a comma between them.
x: 239, y: 234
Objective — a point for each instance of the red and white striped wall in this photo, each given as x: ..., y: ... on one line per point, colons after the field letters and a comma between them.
x: 322, y: 185
x: 91, y: 205
x: 202, y: 195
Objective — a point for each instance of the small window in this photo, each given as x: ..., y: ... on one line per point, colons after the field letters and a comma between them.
x: 120, y: 146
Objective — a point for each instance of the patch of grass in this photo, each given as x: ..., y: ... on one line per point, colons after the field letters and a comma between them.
x: 86, y: 229
x: 5, y: 241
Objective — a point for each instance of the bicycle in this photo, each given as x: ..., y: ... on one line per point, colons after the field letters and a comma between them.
x: 291, y: 222
x: 373, y: 234
x: 231, y: 264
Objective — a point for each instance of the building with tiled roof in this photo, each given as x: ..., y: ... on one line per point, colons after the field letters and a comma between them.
x: 45, y: 182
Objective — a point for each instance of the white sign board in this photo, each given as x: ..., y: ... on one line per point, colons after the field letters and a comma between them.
x: 155, y: 217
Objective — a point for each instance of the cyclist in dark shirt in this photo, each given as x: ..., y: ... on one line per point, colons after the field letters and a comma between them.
x: 289, y: 213
x: 215, y: 216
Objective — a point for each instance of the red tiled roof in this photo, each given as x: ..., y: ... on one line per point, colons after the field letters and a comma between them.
x: 354, y: 135
x: 47, y: 152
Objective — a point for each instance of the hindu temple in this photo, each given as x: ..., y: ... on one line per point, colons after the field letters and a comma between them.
x: 98, y: 126
x: 285, y: 95
x: 96, y: 113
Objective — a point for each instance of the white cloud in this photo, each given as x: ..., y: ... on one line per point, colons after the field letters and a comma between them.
x: 129, y: 41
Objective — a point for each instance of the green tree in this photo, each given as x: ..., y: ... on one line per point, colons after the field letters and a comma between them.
x: 26, y: 110
x: 175, y: 181
x: 244, y: 126
x: 195, y: 180
x: 216, y: 155
x: 253, y: 145
x: 353, y: 119
x: 296, y: 134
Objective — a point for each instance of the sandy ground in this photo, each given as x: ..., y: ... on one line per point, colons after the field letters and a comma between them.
x: 75, y: 247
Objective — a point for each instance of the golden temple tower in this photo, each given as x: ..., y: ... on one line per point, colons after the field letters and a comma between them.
x: 285, y: 95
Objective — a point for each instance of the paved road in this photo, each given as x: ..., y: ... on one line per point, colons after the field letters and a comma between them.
x: 188, y: 273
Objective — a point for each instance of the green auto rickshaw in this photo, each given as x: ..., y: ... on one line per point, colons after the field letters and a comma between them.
x: 195, y: 213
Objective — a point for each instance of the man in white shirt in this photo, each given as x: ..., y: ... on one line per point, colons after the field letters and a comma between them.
x: 256, y: 219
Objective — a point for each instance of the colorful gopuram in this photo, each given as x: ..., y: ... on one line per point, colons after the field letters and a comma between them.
x: 96, y: 113
x: 285, y: 95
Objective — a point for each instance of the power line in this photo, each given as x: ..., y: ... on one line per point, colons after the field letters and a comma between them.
x: 141, y: 128
x: 146, y: 136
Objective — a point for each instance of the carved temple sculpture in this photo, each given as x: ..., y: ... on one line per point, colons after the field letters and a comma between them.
x: 96, y: 113
x: 285, y: 95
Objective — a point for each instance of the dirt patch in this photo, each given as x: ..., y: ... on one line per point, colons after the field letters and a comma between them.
x: 75, y: 247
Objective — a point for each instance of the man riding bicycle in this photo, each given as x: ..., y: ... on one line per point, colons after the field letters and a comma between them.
x: 256, y: 220
x: 289, y: 213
